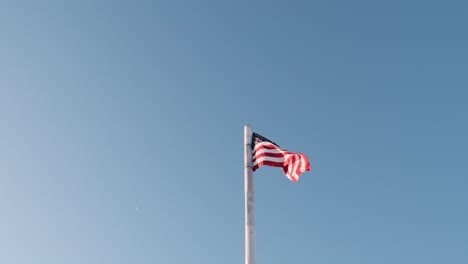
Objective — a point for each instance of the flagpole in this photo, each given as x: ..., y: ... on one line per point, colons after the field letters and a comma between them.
x: 249, y: 198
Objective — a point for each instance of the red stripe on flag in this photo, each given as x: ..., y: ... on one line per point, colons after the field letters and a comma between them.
x: 268, y: 163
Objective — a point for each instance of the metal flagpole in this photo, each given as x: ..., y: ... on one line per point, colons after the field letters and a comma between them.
x: 249, y: 198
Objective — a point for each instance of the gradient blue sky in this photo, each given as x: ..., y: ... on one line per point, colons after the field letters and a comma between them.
x: 122, y: 128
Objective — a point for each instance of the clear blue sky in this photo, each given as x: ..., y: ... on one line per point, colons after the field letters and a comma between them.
x: 122, y: 128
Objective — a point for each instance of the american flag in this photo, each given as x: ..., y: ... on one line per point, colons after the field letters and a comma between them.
x: 266, y: 152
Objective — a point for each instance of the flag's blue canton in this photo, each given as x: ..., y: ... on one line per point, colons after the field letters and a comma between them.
x: 256, y: 138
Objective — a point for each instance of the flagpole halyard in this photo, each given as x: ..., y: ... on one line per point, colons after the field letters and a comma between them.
x: 249, y: 198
